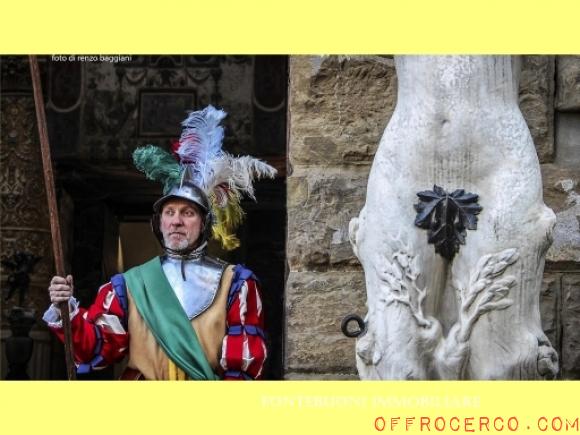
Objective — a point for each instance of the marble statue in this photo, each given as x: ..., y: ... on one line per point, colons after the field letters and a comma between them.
x: 454, y: 230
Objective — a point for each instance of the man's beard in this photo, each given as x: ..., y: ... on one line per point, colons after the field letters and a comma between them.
x: 177, y: 245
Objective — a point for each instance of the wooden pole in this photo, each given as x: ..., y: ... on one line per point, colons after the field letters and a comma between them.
x: 52, y: 209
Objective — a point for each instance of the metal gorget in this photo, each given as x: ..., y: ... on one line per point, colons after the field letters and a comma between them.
x: 203, y: 275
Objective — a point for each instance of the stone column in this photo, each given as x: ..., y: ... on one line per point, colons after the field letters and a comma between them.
x: 24, y: 220
x: 470, y: 311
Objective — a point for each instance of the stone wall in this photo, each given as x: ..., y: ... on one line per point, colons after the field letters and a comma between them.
x: 338, y: 109
x: 561, y: 176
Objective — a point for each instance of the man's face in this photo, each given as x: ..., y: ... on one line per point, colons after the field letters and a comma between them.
x: 181, y: 223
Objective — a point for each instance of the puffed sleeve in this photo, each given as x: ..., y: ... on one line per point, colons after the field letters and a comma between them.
x: 99, y: 333
x: 244, y: 347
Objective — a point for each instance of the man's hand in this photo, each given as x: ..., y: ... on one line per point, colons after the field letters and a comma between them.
x: 60, y: 289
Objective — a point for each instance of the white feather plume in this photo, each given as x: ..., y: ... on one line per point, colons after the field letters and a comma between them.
x: 201, y: 143
x: 238, y: 173
x: 208, y: 166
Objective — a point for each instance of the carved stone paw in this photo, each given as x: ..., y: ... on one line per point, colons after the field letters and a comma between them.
x: 368, y: 350
x: 547, y: 361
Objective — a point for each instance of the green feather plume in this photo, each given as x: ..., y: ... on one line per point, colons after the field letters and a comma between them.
x: 158, y: 165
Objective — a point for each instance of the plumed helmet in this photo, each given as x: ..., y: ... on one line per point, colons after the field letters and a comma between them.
x: 201, y: 172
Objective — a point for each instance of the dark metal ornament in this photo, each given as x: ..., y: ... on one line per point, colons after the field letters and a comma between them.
x: 21, y: 266
x: 446, y: 217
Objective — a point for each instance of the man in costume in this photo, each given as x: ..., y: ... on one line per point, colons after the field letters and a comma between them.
x: 183, y: 315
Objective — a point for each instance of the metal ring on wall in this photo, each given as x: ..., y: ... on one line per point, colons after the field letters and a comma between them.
x: 361, y: 325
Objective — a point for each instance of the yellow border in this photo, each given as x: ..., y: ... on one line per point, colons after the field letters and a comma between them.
x: 296, y: 27
x: 292, y: 407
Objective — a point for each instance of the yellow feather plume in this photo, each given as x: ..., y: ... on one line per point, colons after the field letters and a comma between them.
x: 227, y: 220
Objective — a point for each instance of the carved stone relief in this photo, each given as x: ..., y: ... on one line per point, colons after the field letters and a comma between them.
x: 23, y: 213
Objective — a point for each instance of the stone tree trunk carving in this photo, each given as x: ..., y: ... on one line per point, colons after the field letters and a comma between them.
x: 471, y: 310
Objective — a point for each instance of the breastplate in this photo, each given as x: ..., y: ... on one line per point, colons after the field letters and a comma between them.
x: 203, y: 276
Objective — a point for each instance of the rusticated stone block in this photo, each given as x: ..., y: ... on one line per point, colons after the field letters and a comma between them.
x: 339, y: 108
x: 537, y: 102
x: 568, y: 83
x: 560, y: 194
x: 568, y: 140
x: 550, y: 308
x: 316, y: 303
x: 320, y: 207
x: 570, y: 356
